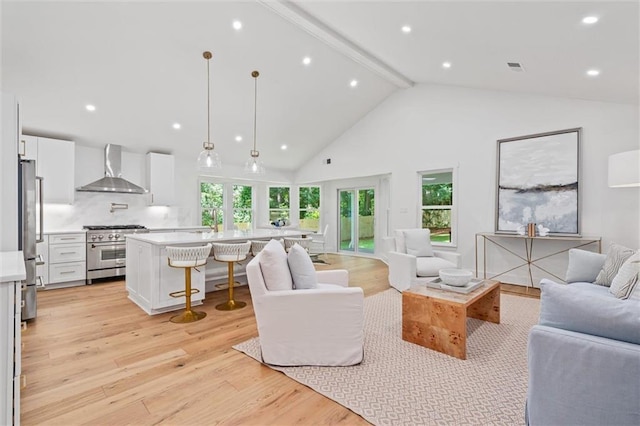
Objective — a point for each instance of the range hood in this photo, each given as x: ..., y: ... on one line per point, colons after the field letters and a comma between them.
x: 112, y: 180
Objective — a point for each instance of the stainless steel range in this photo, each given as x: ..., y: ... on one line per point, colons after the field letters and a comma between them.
x: 106, y: 249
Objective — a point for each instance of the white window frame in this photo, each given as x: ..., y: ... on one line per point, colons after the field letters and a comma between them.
x: 319, y: 209
x: 227, y: 200
x: 453, y: 207
x: 269, y: 209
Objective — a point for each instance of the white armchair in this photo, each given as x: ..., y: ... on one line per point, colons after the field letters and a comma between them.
x: 318, y: 326
x: 406, y: 268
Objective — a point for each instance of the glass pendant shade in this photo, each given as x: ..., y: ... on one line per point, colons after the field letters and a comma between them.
x: 254, y: 165
x: 208, y: 159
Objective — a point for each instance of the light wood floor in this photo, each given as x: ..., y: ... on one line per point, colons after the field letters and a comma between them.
x: 93, y: 357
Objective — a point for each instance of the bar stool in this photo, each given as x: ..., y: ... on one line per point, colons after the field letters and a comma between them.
x: 304, y: 242
x: 258, y: 245
x: 187, y: 258
x: 230, y: 253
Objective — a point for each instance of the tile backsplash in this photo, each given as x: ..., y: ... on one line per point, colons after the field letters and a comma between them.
x: 92, y: 208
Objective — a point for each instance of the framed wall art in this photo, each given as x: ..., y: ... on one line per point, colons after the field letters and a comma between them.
x: 538, y: 182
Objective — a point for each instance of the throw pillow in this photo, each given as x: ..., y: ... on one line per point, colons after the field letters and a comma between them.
x: 275, y: 268
x: 568, y: 307
x: 584, y: 266
x: 418, y: 242
x: 616, y: 256
x: 401, y: 245
x: 626, y: 280
x: 302, y: 271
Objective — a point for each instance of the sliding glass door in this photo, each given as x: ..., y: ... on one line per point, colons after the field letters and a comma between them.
x: 357, y: 220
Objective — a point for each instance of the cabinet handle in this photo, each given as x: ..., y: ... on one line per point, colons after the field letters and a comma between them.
x: 68, y: 252
x: 24, y: 148
x: 68, y: 238
x: 23, y: 381
x: 23, y: 326
x: 67, y: 272
x: 39, y: 260
x: 39, y: 278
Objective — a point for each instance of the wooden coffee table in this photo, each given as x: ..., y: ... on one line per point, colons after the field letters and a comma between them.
x: 437, y: 319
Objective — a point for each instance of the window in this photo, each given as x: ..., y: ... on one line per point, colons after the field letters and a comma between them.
x: 211, y: 197
x: 242, y: 210
x: 309, y: 207
x: 278, y: 203
x: 437, y: 205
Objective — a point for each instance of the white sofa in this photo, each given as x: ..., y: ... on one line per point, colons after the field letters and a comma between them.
x: 406, y: 269
x: 318, y: 326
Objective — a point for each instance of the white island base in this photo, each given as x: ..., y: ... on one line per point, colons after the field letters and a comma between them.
x: 150, y: 279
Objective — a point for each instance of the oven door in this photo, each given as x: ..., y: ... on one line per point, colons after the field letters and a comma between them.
x: 106, y: 255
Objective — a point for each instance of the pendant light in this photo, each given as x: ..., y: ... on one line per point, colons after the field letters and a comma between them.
x: 253, y: 165
x: 208, y: 159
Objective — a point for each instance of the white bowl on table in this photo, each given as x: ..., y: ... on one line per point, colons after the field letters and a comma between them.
x: 455, y: 277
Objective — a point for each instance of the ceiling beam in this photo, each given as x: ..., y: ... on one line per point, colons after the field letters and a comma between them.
x: 329, y: 36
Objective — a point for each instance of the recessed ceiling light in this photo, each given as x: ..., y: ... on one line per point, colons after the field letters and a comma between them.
x: 406, y: 29
x: 446, y: 65
x: 306, y: 60
x: 593, y: 73
x: 353, y: 83
x: 176, y: 126
x: 589, y: 20
x: 283, y: 147
x: 90, y: 107
x: 237, y: 25
x: 238, y: 138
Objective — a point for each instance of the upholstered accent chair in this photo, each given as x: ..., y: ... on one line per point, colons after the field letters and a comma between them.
x: 318, y: 323
x: 412, y: 260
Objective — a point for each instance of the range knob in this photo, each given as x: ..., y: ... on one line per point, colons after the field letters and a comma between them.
x: 111, y: 236
x: 100, y: 236
x: 93, y: 237
x: 117, y: 236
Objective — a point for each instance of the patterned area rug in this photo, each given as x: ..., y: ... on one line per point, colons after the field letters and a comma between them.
x: 400, y: 383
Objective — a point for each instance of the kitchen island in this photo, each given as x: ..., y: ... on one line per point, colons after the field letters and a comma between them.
x: 150, y: 279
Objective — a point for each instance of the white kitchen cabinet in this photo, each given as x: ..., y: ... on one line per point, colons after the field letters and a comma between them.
x: 11, y: 274
x: 160, y: 179
x: 67, y: 254
x: 28, y: 148
x: 55, y: 161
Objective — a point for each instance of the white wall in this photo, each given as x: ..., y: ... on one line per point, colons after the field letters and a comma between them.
x: 8, y: 172
x: 92, y: 208
x: 434, y: 127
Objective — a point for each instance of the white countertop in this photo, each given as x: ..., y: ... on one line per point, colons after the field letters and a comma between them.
x: 179, y: 228
x: 167, y: 238
x: 66, y: 231
x: 12, y: 266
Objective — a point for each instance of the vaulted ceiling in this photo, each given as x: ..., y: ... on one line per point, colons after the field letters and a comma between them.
x: 140, y: 63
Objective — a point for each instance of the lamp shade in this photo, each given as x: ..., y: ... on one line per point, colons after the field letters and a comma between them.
x: 624, y: 169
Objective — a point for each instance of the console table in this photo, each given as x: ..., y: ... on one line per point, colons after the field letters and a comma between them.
x: 528, y: 260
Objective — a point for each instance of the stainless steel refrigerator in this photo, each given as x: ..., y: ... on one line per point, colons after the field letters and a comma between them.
x: 30, y: 216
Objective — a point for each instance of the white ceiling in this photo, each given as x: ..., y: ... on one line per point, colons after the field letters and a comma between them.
x: 141, y: 64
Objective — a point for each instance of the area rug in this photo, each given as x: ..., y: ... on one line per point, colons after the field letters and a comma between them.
x: 400, y: 383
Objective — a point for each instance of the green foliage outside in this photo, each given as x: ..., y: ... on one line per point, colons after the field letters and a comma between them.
x: 279, y: 202
x: 366, y: 202
x: 210, y: 198
x: 437, y: 220
x: 242, y: 206
x: 309, y: 202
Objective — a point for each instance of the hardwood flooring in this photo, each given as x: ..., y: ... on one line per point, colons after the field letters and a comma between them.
x: 93, y: 357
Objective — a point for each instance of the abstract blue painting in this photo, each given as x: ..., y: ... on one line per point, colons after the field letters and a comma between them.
x: 538, y: 182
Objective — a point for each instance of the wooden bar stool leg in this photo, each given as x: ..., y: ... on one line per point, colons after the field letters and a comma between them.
x: 230, y: 304
x: 188, y: 315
